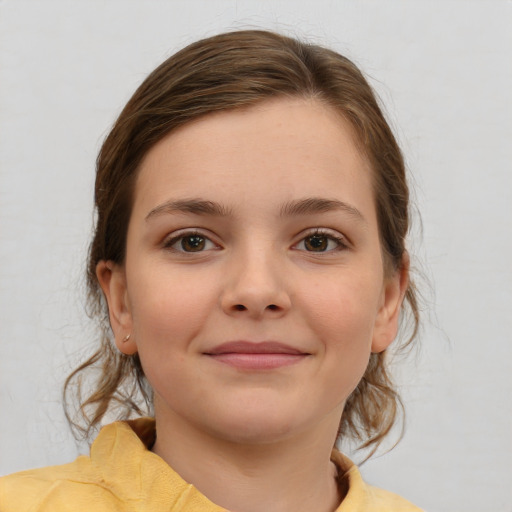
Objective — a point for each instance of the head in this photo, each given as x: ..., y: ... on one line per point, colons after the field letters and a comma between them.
x: 236, y: 72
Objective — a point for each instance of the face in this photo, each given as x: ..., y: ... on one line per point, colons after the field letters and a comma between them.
x: 253, y: 285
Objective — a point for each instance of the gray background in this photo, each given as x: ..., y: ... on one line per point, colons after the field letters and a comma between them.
x: 443, y: 70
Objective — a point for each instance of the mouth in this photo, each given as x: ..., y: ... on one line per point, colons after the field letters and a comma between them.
x: 266, y: 355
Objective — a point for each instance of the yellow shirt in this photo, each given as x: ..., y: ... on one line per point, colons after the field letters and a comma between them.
x: 122, y: 475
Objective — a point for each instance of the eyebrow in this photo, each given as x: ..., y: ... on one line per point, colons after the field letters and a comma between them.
x: 312, y: 205
x: 195, y: 206
x: 307, y: 206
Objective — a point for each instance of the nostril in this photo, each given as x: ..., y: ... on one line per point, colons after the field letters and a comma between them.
x: 241, y: 307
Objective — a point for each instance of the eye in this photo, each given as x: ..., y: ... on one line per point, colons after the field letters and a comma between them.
x: 190, y: 242
x: 320, y: 241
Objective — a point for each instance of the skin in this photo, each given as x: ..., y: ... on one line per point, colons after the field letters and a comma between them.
x: 254, y: 439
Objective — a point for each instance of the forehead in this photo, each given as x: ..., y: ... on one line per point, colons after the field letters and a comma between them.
x: 281, y: 148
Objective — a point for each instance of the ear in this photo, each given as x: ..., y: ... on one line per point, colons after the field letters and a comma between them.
x: 393, y: 293
x: 112, y: 280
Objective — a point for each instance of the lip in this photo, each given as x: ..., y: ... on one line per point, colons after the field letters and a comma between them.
x: 265, y: 355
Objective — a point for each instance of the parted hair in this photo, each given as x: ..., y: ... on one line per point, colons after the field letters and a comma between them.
x: 221, y: 73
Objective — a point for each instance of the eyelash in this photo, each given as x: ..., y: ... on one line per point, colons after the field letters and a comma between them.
x: 319, y: 233
x: 341, y: 241
x: 169, y: 243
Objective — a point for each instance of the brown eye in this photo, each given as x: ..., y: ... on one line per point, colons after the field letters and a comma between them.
x: 190, y: 242
x: 316, y: 243
x: 322, y: 242
x: 193, y: 243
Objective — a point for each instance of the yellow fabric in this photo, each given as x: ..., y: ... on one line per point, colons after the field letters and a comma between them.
x: 122, y: 475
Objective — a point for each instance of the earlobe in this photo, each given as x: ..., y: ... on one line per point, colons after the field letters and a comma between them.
x: 387, y: 322
x: 112, y: 280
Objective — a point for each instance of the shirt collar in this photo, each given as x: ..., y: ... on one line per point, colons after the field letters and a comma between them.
x: 121, y: 453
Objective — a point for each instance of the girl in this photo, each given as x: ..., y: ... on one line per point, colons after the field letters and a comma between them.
x: 249, y: 270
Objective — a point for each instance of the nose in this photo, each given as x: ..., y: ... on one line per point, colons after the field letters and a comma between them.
x: 255, y: 288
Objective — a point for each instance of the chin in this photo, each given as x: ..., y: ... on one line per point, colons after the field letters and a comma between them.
x: 263, y: 428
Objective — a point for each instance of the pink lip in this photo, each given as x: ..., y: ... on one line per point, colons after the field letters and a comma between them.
x: 256, y: 356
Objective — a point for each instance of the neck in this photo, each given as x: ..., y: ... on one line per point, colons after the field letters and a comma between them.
x: 291, y: 474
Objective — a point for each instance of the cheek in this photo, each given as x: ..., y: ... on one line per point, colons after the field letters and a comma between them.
x: 168, y: 309
x: 168, y: 315
x: 343, y: 317
x: 342, y: 306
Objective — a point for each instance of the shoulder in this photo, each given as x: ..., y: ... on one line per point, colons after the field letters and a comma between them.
x: 362, y: 497
x: 120, y: 475
x: 383, y: 501
x: 50, y: 488
x: 74, y: 486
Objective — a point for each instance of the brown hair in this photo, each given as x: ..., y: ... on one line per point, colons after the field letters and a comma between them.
x: 224, y: 72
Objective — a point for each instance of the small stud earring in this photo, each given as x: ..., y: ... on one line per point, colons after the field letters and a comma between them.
x: 126, y: 338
